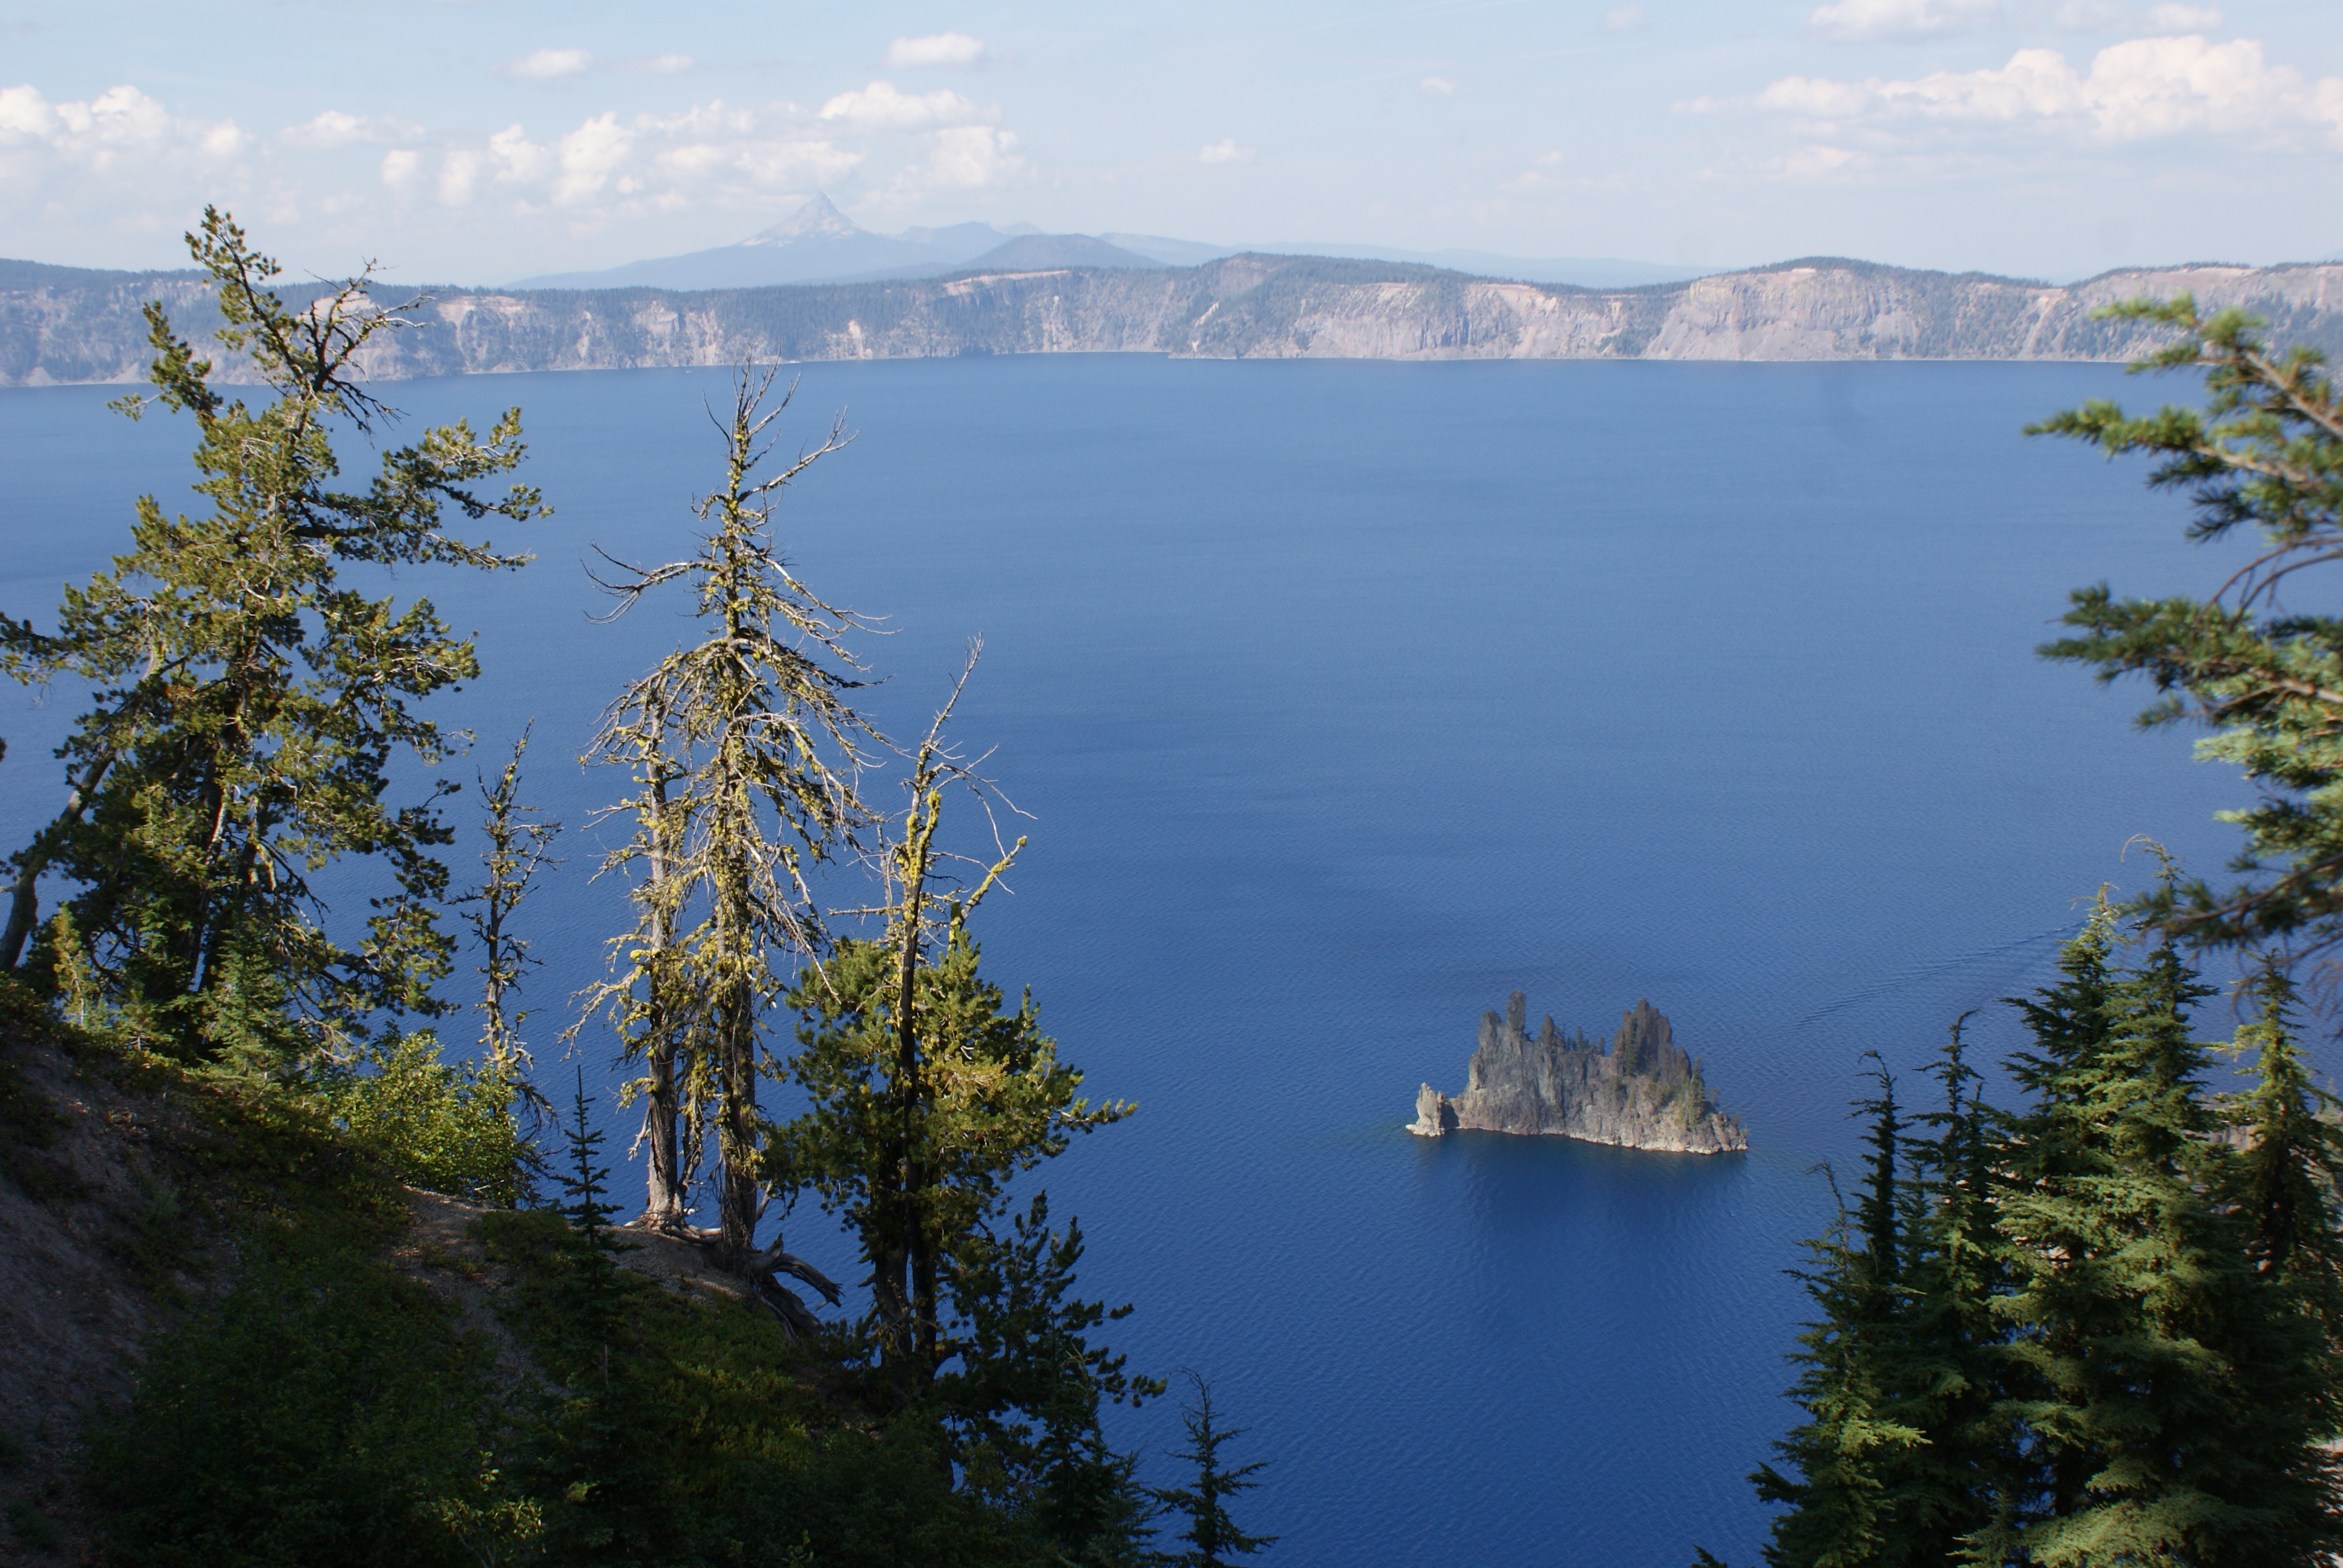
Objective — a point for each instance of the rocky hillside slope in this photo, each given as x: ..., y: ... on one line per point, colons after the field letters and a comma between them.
x: 58, y: 325
x: 118, y: 1184
x: 1645, y: 1092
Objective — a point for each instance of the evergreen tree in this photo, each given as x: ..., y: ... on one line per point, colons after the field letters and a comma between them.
x: 2124, y: 1269
x: 1019, y: 1402
x: 1951, y: 1338
x: 927, y: 1092
x: 1853, y: 1457
x: 2279, y: 1324
x: 746, y: 754
x: 651, y: 1004
x: 1212, y: 1536
x: 2265, y: 454
x: 520, y: 845
x: 585, y: 1189
x: 520, y: 840
x: 597, y: 1455
x: 247, y: 703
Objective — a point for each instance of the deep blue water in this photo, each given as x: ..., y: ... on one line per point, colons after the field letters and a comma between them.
x: 1346, y: 698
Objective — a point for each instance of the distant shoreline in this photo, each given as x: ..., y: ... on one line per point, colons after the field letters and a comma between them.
x: 62, y: 326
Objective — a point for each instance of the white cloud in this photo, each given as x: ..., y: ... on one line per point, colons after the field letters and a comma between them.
x: 1224, y: 151
x: 1624, y: 19
x: 934, y: 49
x: 1538, y: 178
x: 785, y: 164
x: 334, y: 129
x: 331, y: 130
x: 545, y: 65
x: 1818, y: 162
x: 607, y: 165
x: 1871, y: 21
x: 973, y: 157
x: 881, y: 108
x: 123, y: 153
x: 2144, y: 88
x: 2113, y: 16
x: 523, y: 160
x: 666, y: 64
x: 590, y: 156
x: 118, y: 131
x: 459, y: 176
x: 1437, y: 88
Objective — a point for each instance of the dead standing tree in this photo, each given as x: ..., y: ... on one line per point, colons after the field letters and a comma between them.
x: 745, y: 756
x: 520, y: 844
x: 648, y: 1003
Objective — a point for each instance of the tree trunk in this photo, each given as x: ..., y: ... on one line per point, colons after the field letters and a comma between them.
x: 737, y: 1205
x: 25, y: 903
x: 663, y: 1204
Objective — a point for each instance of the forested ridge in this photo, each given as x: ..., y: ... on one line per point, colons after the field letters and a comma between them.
x: 321, y: 1259
x: 59, y: 325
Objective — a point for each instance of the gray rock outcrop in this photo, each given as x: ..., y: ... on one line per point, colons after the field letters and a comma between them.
x: 1645, y: 1092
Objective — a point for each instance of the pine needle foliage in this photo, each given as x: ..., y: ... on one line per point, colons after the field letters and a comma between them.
x: 2123, y: 1270
x: 2100, y: 1329
x: 519, y: 847
x: 246, y: 702
x: 928, y: 1093
x: 2264, y: 455
x: 585, y: 1190
x: 1851, y: 1456
x: 1212, y: 1536
x: 1954, y: 1269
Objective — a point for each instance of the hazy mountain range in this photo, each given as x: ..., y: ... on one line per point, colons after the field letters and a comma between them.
x: 819, y: 244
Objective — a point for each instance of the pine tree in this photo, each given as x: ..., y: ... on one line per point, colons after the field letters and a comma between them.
x: 2122, y: 1266
x: 247, y: 703
x: 1853, y: 1456
x: 1020, y: 1400
x: 1953, y: 1271
x: 603, y: 1459
x: 746, y: 753
x: 1212, y: 1535
x: 2279, y: 1324
x: 927, y: 1092
x: 520, y: 845
x: 2265, y: 453
x: 650, y: 1004
x: 584, y: 1188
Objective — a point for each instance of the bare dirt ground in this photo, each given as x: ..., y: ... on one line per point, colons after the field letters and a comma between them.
x: 93, y: 1247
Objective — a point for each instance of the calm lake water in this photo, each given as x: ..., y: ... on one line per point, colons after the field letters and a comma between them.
x: 1345, y: 698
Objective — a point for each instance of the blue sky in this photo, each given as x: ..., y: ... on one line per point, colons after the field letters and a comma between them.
x: 477, y: 140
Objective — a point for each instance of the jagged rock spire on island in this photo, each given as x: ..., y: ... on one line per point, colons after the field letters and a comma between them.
x: 1645, y: 1092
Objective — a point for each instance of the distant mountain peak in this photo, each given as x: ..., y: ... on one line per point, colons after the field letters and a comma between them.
x: 816, y: 218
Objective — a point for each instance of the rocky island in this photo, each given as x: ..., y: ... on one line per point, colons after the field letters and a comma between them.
x: 1645, y: 1092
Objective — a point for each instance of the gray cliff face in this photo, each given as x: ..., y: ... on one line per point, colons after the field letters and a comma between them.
x: 85, y: 327
x: 1645, y: 1092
